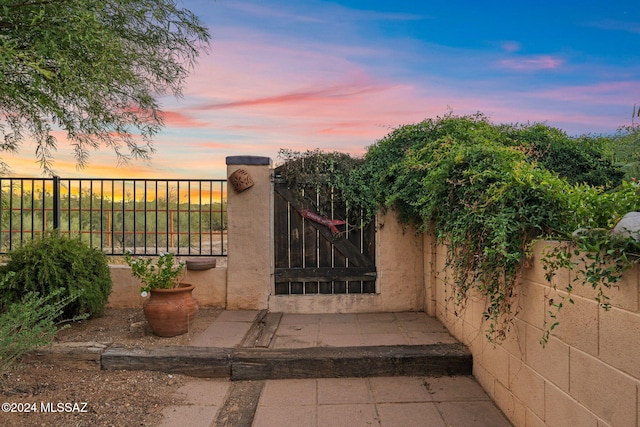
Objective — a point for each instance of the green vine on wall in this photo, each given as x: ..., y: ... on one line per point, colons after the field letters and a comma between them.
x: 598, y: 258
x: 329, y: 179
x: 479, y: 188
x: 488, y: 192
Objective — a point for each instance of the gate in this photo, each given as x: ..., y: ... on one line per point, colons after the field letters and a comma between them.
x: 317, y: 250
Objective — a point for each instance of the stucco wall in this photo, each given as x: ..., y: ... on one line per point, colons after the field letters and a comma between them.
x: 249, y: 213
x: 588, y: 374
x: 210, y: 287
x: 245, y: 285
x: 247, y: 281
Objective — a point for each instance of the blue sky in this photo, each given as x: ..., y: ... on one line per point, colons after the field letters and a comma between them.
x: 340, y: 75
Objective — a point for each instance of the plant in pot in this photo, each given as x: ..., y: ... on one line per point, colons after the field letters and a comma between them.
x: 171, y: 307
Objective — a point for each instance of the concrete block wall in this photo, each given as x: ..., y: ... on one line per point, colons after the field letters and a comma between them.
x: 588, y: 374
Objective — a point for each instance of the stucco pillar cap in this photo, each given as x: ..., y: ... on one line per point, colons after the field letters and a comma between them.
x: 248, y: 160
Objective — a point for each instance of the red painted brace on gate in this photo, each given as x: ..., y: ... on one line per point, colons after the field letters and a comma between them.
x: 331, y: 223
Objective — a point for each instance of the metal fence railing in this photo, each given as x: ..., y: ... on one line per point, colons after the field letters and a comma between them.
x: 142, y: 216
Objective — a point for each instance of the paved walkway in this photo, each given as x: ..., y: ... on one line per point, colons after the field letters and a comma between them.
x: 328, y: 402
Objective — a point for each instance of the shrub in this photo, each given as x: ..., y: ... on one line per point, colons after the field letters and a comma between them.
x: 47, y: 264
x: 593, y: 207
x: 28, y: 324
x: 583, y: 160
x: 625, y: 144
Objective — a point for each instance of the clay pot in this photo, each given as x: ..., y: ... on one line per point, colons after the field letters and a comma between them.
x: 170, y: 312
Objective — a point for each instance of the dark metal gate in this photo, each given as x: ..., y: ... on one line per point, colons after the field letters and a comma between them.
x: 317, y: 250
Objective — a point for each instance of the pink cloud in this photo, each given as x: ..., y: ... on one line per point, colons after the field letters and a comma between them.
x: 536, y: 63
x: 177, y: 119
x: 331, y: 93
x: 247, y: 70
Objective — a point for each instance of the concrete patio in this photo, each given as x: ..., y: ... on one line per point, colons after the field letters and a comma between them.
x: 360, y: 400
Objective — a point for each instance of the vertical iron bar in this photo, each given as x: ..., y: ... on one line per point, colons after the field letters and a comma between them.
x: 144, y: 235
x: 221, y: 221
x: 223, y: 210
x: 91, y: 213
x: 189, y: 215
x: 304, y: 245
x: 101, y: 214
x: 211, y: 218
x: 21, y: 210
x: 113, y: 215
x: 157, y: 209
x: 200, y: 214
x: 44, y: 203
x: 134, y: 216
x: 11, y: 214
x: 317, y: 233
x: 33, y: 208
x: 178, y: 214
x: 56, y: 203
x: 68, y: 209
x: 124, y: 222
x: 79, y: 208
x: 289, y: 241
x: 168, y: 213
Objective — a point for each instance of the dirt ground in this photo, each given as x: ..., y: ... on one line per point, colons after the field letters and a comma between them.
x: 39, y: 394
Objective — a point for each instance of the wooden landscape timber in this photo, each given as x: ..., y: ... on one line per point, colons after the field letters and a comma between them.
x: 259, y: 363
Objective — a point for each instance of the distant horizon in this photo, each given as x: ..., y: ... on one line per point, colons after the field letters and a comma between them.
x: 341, y: 75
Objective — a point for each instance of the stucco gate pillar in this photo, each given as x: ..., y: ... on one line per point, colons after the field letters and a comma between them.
x: 249, y: 212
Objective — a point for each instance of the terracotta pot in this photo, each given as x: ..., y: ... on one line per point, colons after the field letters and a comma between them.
x: 170, y: 312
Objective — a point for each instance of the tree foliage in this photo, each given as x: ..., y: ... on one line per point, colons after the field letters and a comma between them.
x: 93, y: 69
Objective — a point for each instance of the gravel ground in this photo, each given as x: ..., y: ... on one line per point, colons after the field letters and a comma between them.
x: 40, y: 394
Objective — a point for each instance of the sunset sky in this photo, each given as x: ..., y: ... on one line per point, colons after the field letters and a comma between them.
x: 305, y: 74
